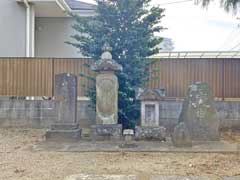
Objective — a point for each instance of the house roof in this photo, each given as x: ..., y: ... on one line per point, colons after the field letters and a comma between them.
x: 58, y: 8
x: 79, y: 5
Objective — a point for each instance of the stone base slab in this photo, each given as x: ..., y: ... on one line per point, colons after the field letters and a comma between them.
x: 106, y: 132
x: 100, y: 177
x: 55, y: 135
x: 85, y: 145
x: 150, y: 133
x: 61, y: 132
x: 139, y: 177
x: 67, y: 126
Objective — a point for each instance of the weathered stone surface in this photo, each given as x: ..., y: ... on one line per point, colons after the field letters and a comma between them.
x: 65, y: 91
x: 106, y: 63
x: 150, y: 113
x: 150, y: 133
x: 150, y: 106
x: 63, y: 135
x: 151, y: 94
x: 66, y: 127
x: 101, y: 177
x: 106, y: 88
x: 181, y: 136
x: 106, y: 132
x: 107, y: 99
x: 199, y: 113
x: 128, y: 135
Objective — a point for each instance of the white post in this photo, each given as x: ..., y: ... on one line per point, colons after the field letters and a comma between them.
x: 27, y: 28
x: 32, y: 54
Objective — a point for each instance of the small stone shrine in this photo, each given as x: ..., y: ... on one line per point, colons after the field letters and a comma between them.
x: 106, y: 127
x: 65, y: 92
x: 199, y: 116
x: 149, y: 126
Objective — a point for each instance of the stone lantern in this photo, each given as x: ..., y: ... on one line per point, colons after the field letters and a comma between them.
x: 106, y: 96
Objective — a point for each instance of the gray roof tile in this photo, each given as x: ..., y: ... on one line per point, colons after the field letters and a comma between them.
x: 78, y: 5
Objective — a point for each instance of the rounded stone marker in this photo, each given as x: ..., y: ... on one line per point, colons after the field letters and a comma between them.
x: 128, y: 135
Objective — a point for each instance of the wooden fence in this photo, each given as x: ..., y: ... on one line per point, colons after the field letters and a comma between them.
x: 177, y: 74
x: 35, y: 76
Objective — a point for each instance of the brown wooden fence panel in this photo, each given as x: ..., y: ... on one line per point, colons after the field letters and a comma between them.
x: 232, y: 78
x: 25, y: 77
x: 35, y: 76
x: 77, y: 67
x: 177, y: 74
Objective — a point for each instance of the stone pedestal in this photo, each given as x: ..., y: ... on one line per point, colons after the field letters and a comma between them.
x: 106, y: 132
x: 59, y: 132
x: 65, y: 92
x: 150, y: 133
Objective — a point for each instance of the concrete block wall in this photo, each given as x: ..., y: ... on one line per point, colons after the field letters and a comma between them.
x: 43, y: 113
x: 39, y: 113
x: 169, y: 113
x: 228, y: 113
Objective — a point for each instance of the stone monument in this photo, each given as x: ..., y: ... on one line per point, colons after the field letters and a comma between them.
x: 65, y: 92
x: 106, y: 97
x: 149, y: 126
x: 199, y: 114
x: 181, y: 136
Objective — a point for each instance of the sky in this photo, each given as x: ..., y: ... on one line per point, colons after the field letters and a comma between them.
x: 193, y: 28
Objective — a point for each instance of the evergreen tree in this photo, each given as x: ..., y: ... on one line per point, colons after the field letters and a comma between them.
x: 129, y: 27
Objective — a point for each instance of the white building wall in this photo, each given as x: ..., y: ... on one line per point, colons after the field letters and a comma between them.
x: 12, y: 29
x: 51, y: 35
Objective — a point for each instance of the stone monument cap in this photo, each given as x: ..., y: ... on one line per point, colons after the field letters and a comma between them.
x: 106, y: 63
x: 151, y: 94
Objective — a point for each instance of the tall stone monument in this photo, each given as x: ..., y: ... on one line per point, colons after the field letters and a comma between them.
x: 65, y: 93
x: 106, y: 96
x: 199, y: 116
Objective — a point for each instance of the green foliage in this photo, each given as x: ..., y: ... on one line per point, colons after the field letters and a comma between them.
x: 228, y: 5
x: 129, y: 27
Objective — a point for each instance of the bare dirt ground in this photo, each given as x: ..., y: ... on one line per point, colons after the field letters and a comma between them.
x: 18, y: 162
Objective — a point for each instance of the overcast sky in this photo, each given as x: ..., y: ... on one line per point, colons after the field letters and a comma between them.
x: 195, y: 29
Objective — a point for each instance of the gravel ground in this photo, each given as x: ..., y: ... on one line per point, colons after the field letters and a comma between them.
x: 18, y: 162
